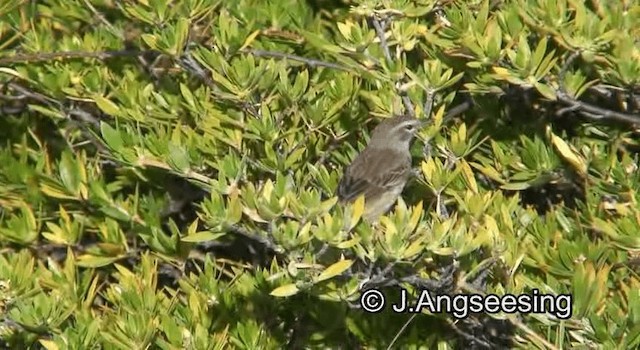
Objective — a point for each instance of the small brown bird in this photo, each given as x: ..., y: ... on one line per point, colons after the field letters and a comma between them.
x: 382, y: 169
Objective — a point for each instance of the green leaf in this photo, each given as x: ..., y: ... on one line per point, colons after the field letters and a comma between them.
x: 576, y: 161
x: 115, y: 212
x: 178, y: 158
x: 49, y: 344
x: 107, y: 106
x: 69, y: 173
x: 202, y: 236
x: 234, y: 210
x: 545, y: 90
x: 93, y: 261
x: 357, y: 208
x: 111, y: 137
x: 47, y: 111
x: 516, y: 186
x: 538, y: 54
x: 181, y: 33
x: 187, y: 95
x: 320, y: 42
x: 285, y: 291
x: 334, y: 270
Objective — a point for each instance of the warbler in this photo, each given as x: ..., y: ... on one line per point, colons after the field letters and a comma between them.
x: 381, y: 171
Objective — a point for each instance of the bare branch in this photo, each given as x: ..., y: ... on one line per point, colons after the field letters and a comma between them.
x: 49, y: 56
x: 428, y: 104
x: 380, y: 27
x: 383, y: 40
x: 588, y: 110
x: 311, y: 62
x: 593, y: 112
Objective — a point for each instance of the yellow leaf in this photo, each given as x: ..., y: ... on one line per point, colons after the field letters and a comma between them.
x: 345, y: 29
x: 462, y: 132
x: 501, y: 71
x: 358, y: 210
x: 443, y: 251
x: 111, y: 248
x: 91, y: 292
x: 390, y: 228
x: 415, y: 216
x: 125, y: 272
x: 306, y: 266
x: 107, y: 106
x: 49, y: 344
x: 467, y: 173
x: 414, y: 248
x: 438, y: 117
x: 55, y: 238
x: 193, y: 228
x: 605, y: 227
x: 202, y: 236
x: 428, y: 168
x: 54, y: 192
x: 285, y: 291
x: 88, y: 260
x: 250, y: 39
x: 490, y: 172
x: 304, y: 231
x: 334, y: 270
x: 10, y: 71
x: 267, y: 189
x: 253, y: 214
x: 327, y: 220
x: 568, y: 154
x: 348, y: 244
x: 491, y: 226
x: 83, y: 189
x: 234, y: 210
x: 328, y: 204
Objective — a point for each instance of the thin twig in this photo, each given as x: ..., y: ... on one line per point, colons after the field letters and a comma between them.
x: 34, y: 95
x: 469, y: 337
x: 457, y: 110
x: 49, y: 56
x: 593, y: 112
x: 565, y: 68
x: 82, y: 117
x: 428, y: 104
x: 383, y: 40
x: 380, y: 28
x: 311, y: 62
x: 588, y: 110
x: 189, y: 64
x: 402, y: 329
x: 265, y: 241
x: 102, y: 19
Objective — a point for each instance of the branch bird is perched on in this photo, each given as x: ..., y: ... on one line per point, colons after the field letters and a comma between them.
x: 382, y: 169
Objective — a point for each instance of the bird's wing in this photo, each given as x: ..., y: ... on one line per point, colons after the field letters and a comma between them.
x: 365, y: 176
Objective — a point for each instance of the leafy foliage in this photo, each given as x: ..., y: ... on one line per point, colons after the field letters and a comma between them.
x: 168, y: 171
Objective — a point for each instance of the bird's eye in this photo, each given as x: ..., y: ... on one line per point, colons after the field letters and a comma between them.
x: 409, y: 127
